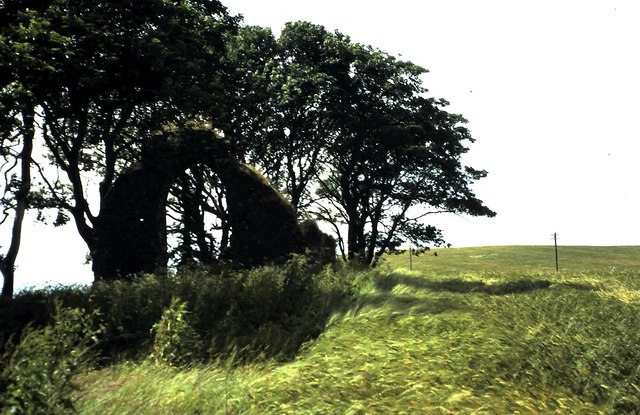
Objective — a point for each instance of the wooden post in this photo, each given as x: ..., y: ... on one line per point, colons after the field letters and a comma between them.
x: 555, y: 244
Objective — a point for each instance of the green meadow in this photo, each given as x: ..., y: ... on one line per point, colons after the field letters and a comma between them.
x: 518, y: 259
x: 470, y: 331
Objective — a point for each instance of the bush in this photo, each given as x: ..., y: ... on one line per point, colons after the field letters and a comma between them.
x: 128, y: 310
x: 270, y: 310
x: 276, y: 309
x: 175, y: 342
x: 36, y: 308
x: 37, y: 378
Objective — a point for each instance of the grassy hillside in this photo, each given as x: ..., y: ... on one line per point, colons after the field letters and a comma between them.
x: 520, y: 259
x: 474, y: 330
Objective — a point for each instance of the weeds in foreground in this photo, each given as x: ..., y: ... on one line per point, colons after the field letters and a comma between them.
x: 192, y: 318
x: 374, y: 342
x: 39, y: 371
x: 499, y: 343
x: 175, y: 342
x: 268, y: 311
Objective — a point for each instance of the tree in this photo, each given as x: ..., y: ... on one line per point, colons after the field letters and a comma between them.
x: 103, y: 75
x: 345, y: 130
x: 394, y: 171
x: 17, y: 134
x: 348, y: 132
x: 19, y: 130
x: 396, y: 152
x: 198, y: 210
x: 284, y: 94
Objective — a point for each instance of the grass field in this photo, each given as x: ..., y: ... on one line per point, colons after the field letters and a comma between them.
x: 520, y: 259
x: 474, y: 330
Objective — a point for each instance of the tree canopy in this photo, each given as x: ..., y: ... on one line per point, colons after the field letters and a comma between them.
x: 100, y: 77
x: 347, y: 132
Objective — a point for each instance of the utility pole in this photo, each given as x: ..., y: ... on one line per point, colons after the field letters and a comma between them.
x: 555, y: 244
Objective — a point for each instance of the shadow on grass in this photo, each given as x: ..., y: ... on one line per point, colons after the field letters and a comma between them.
x: 408, y: 304
x: 460, y: 286
x: 578, y: 286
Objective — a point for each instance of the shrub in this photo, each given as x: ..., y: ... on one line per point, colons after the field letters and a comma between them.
x: 38, y: 375
x: 35, y: 308
x: 128, y: 310
x: 278, y: 308
x: 269, y: 310
x: 175, y: 342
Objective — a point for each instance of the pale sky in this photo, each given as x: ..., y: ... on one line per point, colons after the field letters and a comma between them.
x: 551, y: 90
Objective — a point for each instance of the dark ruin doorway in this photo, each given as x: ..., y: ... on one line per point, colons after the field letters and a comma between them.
x: 131, y: 233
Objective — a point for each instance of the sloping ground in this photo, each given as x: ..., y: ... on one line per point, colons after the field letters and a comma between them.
x: 513, y: 342
x: 520, y: 259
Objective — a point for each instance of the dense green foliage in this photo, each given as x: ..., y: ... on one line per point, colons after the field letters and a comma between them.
x: 473, y: 335
x: 348, y: 132
x: 38, y: 374
x: 529, y: 341
x: 194, y: 317
x: 269, y: 310
x: 345, y: 130
x: 98, y: 77
x: 174, y: 341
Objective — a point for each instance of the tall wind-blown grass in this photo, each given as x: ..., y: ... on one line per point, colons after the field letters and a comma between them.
x: 493, y: 343
x: 297, y: 340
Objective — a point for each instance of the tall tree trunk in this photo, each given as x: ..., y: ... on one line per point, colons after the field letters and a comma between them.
x: 224, y: 238
x: 390, y: 234
x: 352, y: 241
x: 371, y: 244
x: 7, y: 265
x: 355, y: 239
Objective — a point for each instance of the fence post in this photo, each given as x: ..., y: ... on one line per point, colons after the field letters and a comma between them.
x: 555, y: 244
